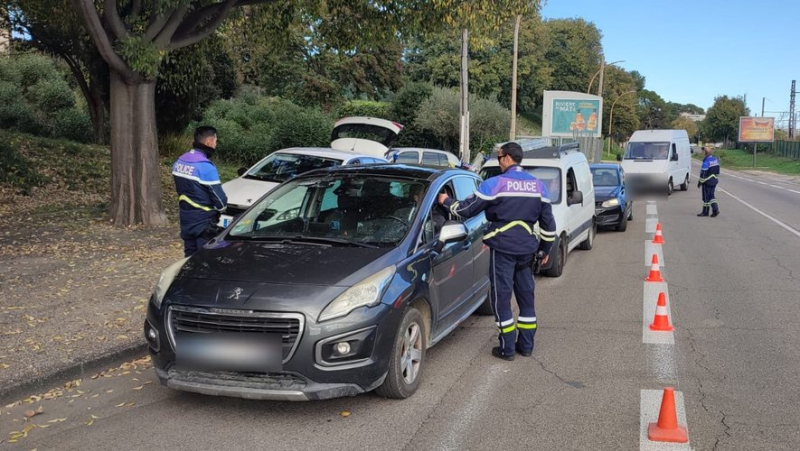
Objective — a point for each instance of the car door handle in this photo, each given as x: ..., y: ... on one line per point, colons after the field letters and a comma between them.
x: 467, y: 244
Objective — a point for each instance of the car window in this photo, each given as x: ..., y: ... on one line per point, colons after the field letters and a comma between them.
x: 584, y: 177
x: 357, y: 161
x: 465, y: 187
x: 443, y: 162
x: 360, y: 208
x: 605, y: 177
x: 410, y: 157
x: 280, y: 167
x: 430, y: 159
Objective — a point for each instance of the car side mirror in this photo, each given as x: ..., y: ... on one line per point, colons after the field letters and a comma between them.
x: 452, y: 231
x: 674, y: 157
x: 575, y: 198
x: 241, y: 171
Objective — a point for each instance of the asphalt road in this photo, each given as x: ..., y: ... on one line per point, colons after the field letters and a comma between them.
x: 734, y: 298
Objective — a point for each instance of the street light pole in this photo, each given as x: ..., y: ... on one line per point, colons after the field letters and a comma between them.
x: 603, y: 66
x: 513, y: 132
x: 611, y: 118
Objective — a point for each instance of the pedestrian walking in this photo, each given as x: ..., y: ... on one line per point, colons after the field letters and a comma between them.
x: 200, y: 194
x: 513, y: 202
x: 709, y: 177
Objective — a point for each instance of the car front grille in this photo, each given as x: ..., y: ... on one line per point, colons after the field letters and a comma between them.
x: 273, y: 381
x: 191, y: 320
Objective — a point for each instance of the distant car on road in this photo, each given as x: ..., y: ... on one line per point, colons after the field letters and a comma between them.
x: 613, y: 207
x: 425, y: 157
x: 333, y: 284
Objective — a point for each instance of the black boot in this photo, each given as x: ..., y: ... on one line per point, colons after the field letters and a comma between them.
x: 498, y: 352
x: 715, y: 214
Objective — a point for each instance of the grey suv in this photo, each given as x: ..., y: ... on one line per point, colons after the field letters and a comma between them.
x: 333, y: 284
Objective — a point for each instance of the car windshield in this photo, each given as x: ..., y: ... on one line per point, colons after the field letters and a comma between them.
x: 647, y: 151
x: 339, y: 209
x: 550, y: 176
x: 280, y: 166
x: 605, y: 177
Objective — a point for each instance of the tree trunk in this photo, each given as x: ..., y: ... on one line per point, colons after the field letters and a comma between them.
x: 97, y: 111
x: 135, y: 169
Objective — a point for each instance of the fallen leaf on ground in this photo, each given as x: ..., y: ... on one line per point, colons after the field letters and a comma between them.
x: 345, y: 414
x: 33, y: 413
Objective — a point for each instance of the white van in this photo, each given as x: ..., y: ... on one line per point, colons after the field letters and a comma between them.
x: 565, y: 172
x: 657, y: 160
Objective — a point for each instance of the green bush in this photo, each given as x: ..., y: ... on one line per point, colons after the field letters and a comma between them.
x: 404, y: 110
x: 51, y: 96
x: 367, y: 108
x: 17, y: 171
x: 299, y: 127
x: 74, y: 124
x: 9, y: 92
x: 19, y: 116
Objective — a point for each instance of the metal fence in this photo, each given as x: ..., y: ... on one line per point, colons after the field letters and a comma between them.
x: 788, y: 149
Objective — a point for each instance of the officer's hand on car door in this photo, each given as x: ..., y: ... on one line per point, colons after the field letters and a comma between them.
x: 442, y: 197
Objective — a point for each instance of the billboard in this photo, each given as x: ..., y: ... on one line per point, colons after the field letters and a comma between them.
x: 756, y: 129
x: 571, y: 114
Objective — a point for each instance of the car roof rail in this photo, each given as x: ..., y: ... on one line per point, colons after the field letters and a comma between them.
x: 551, y: 151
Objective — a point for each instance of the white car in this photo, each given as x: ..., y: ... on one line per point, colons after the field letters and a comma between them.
x: 565, y: 172
x: 424, y: 157
x: 355, y: 140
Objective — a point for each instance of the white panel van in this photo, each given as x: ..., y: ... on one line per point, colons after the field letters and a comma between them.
x: 657, y: 160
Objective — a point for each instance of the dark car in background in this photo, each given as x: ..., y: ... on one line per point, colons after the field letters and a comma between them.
x: 333, y: 284
x: 613, y: 207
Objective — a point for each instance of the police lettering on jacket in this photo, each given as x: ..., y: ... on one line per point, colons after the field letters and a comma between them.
x: 709, y: 171
x: 513, y: 203
x: 199, y: 190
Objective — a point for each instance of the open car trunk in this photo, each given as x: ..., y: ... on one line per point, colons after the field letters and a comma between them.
x: 367, y: 135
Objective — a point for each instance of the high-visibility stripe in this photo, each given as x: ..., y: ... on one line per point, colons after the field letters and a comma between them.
x: 196, y: 179
x: 549, y: 239
x: 527, y: 319
x: 526, y: 326
x: 547, y: 232
x: 534, y: 195
x: 508, y: 329
x: 505, y: 323
x: 511, y: 224
x: 194, y: 204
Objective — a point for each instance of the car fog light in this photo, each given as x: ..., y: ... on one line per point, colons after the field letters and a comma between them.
x: 343, y: 348
x: 151, y: 334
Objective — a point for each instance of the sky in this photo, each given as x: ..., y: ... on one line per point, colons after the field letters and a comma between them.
x: 694, y: 51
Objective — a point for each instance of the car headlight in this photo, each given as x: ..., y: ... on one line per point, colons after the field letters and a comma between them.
x: 167, y: 276
x: 366, y: 293
x: 610, y: 203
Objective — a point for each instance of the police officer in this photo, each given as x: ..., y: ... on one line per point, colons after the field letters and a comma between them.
x: 513, y: 202
x: 709, y: 173
x: 200, y: 194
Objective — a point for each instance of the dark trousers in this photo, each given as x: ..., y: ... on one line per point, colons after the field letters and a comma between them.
x: 709, y: 199
x: 193, y: 244
x: 512, y: 274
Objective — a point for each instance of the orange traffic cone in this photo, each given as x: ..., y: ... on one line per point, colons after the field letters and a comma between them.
x: 655, y: 273
x: 659, y: 238
x: 661, y: 320
x: 667, y: 428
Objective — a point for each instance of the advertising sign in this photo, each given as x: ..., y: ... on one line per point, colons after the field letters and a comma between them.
x: 571, y: 114
x: 756, y: 129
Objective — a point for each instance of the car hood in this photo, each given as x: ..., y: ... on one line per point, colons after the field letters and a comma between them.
x: 603, y: 193
x: 287, y: 264
x: 644, y: 166
x: 242, y: 191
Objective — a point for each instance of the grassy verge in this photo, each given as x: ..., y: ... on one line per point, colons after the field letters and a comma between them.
x: 743, y: 159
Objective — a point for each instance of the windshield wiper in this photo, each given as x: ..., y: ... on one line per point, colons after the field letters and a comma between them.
x: 263, y: 178
x: 321, y: 239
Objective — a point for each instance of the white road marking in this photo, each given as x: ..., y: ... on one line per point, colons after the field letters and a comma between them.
x: 650, y: 225
x: 649, y: 301
x: 652, y: 210
x: 729, y: 174
x: 649, y: 407
x: 649, y: 250
x: 776, y: 221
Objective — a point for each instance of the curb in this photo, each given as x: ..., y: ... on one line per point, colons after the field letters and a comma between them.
x: 80, y: 370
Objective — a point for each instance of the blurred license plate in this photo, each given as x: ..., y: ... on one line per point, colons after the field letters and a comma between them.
x: 239, y: 352
x: 225, y: 220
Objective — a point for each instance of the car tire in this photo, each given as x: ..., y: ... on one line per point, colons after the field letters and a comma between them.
x: 623, y: 224
x: 485, y: 309
x: 559, y: 258
x: 410, y: 342
x: 685, y: 184
x: 588, y: 243
x: 630, y: 215
x: 670, y: 187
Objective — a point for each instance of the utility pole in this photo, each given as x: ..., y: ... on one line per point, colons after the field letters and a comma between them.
x: 791, y: 113
x: 602, y: 69
x: 512, y: 135
x: 463, y: 144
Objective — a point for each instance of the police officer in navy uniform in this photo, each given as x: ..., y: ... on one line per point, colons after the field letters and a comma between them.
x: 709, y: 174
x: 200, y: 194
x: 513, y: 202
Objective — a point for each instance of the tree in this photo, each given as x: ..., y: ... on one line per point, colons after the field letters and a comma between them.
x: 574, y: 53
x: 686, y: 124
x: 652, y: 111
x: 618, y: 84
x: 722, y: 119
